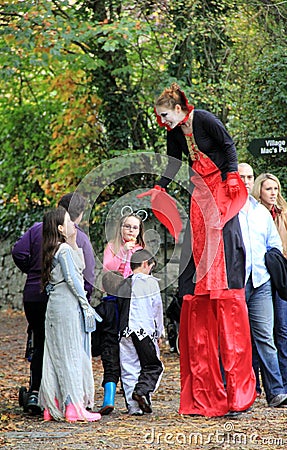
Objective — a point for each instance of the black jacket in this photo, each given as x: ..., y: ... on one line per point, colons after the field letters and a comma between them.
x: 276, y: 265
x: 124, y: 301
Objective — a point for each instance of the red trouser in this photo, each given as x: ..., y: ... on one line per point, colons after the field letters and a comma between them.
x: 213, y: 326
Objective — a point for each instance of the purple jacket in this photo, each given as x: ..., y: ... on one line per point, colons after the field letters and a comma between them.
x: 26, y: 254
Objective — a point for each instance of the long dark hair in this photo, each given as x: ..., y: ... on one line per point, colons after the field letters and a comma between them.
x: 52, y: 238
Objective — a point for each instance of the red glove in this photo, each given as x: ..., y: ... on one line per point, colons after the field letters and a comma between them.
x: 228, y: 206
x: 165, y: 209
x: 232, y: 184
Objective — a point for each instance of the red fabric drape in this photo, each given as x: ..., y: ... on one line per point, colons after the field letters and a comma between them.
x: 211, y: 326
x: 211, y: 207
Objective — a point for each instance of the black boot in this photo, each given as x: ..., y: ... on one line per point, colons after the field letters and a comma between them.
x: 32, y: 404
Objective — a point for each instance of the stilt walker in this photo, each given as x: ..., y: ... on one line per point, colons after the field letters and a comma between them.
x: 214, y: 323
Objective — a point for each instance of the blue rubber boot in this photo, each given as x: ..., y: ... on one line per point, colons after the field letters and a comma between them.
x: 109, y: 398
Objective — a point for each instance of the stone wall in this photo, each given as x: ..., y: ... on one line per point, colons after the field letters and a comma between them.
x: 12, y: 280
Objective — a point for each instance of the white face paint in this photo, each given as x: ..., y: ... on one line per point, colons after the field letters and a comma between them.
x: 170, y: 117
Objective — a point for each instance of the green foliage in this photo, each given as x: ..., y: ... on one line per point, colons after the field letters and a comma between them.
x: 267, y: 91
x: 263, y: 108
x: 13, y: 223
x: 24, y: 142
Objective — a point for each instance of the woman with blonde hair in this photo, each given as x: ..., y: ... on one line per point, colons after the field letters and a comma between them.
x: 267, y: 190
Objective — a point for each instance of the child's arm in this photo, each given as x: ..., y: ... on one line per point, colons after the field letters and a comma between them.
x: 69, y: 269
x: 112, y: 261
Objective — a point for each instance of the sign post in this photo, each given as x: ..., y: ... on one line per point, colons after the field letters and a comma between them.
x: 268, y: 146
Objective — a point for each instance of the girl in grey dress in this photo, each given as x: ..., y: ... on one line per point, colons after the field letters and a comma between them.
x: 67, y: 385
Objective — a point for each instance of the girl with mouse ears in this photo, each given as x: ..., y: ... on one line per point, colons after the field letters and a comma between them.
x: 127, y: 240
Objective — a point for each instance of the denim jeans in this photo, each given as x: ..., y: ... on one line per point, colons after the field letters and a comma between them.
x: 280, y: 335
x: 261, y: 318
x: 255, y: 365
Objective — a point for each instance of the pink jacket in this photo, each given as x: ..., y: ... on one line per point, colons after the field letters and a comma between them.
x: 120, y: 261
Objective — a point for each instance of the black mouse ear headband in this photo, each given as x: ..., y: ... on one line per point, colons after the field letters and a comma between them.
x: 141, y: 213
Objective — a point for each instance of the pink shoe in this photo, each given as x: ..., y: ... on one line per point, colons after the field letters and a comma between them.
x: 91, y: 417
x: 47, y: 415
x: 72, y: 415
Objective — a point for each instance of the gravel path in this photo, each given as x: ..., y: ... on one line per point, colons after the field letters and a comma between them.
x: 261, y: 428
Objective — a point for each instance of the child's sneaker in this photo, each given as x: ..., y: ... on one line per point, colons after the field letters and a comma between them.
x: 142, y: 401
